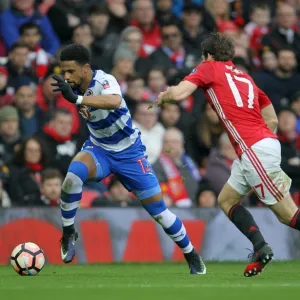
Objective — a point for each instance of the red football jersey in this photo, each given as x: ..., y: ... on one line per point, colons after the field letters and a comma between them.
x: 237, y: 101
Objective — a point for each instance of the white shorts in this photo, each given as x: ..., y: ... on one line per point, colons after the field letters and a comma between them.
x: 259, y: 169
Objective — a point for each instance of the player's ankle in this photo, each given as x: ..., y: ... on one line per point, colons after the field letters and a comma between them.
x: 68, y: 230
x: 258, y: 246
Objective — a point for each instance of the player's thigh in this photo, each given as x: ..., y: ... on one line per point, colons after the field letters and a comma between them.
x: 235, y: 189
x: 138, y: 177
x: 261, y: 165
x: 96, y: 161
x: 285, y: 209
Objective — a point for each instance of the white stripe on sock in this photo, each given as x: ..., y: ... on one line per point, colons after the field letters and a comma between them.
x: 188, y: 248
x: 68, y: 222
x: 72, y: 184
x: 166, y: 219
x: 65, y: 206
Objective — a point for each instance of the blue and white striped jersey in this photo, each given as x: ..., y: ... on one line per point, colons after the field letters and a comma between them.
x: 109, y: 129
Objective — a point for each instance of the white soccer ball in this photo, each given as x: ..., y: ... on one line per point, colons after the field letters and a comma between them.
x: 27, y: 259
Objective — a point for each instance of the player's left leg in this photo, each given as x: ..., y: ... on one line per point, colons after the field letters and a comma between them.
x: 138, y: 176
x: 173, y: 227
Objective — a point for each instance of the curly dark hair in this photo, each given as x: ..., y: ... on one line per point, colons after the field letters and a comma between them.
x: 219, y: 46
x: 76, y: 52
x: 19, y: 158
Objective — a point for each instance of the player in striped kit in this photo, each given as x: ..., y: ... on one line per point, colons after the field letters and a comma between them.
x: 114, y: 146
x: 250, y: 121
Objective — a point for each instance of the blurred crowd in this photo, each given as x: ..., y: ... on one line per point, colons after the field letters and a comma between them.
x: 147, y: 45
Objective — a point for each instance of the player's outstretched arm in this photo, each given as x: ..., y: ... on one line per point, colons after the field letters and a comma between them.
x: 109, y: 101
x: 269, y: 116
x: 177, y: 93
x: 102, y: 101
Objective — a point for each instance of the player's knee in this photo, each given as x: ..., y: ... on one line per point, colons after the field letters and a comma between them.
x: 161, y: 213
x: 76, y: 176
x: 155, y: 209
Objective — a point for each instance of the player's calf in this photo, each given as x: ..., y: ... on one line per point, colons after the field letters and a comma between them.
x: 69, y: 203
x: 175, y: 229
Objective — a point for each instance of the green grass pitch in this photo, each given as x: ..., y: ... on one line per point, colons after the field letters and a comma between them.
x: 166, y: 281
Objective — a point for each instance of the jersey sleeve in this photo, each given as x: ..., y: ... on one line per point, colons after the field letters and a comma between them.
x: 202, y: 75
x: 263, y: 99
x: 110, y: 86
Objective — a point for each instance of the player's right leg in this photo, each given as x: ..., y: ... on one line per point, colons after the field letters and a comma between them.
x: 87, y: 164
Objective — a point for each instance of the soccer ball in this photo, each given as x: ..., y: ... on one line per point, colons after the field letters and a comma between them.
x: 27, y: 259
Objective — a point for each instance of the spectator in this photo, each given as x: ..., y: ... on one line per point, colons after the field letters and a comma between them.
x: 204, y: 135
x: 62, y: 145
x: 219, y: 9
x: 48, y: 101
x: 116, y: 196
x: 25, y: 173
x: 192, y: 28
x: 19, y: 72
x: 82, y: 35
x: 10, y: 137
x: 156, y: 83
x: 51, y: 182
x: 269, y: 61
x: 206, y: 198
x: 257, y: 28
x: 31, y: 118
x: 219, y: 164
x: 295, y: 105
x: 176, y: 171
x: 170, y: 115
x: 283, y: 83
x: 21, y: 12
x: 144, y: 18
x: 179, y: 4
x: 64, y: 15
x: 172, y: 56
x: 283, y: 35
x: 38, y: 58
x: 145, y: 120
x: 6, y: 97
x: 135, y: 92
x: 105, y: 40
x: 239, y: 37
x: 290, y: 146
x: 133, y: 37
x: 119, y: 15
x: 164, y: 12
x: 123, y: 65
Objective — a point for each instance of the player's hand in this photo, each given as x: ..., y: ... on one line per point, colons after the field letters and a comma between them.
x: 64, y: 88
x: 160, y: 99
x: 164, y: 98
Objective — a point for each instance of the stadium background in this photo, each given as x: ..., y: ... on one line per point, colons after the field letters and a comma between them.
x: 146, y: 46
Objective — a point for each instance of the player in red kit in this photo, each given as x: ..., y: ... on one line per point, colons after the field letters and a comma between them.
x: 249, y: 119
